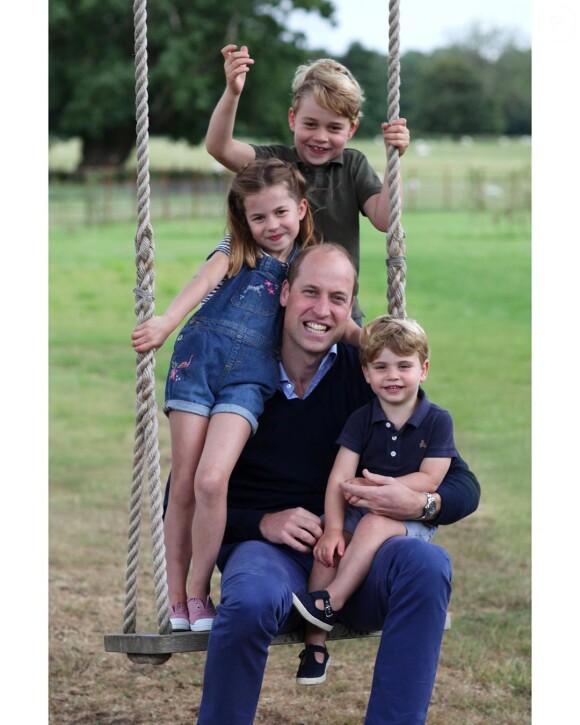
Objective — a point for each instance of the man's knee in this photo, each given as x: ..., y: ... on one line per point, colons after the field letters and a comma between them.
x: 417, y: 561
x: 251, y: 595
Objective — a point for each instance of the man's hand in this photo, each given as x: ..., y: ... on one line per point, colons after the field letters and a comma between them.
x: 385, y: 496
x: 296, y: 527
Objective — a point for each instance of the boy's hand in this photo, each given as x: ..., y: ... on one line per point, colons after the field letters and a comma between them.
x: 236, y: 65
x: 151, y: 334
x: 330, y: 547
x: 397, y: 134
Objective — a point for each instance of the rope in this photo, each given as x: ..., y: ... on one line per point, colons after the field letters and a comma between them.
x: 396, y: 266
x: 146, y: 447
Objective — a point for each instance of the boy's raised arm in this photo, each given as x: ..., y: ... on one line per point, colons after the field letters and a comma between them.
x: 219, y: 141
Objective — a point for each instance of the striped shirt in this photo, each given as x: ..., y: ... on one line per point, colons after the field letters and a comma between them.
x: 223, y: 246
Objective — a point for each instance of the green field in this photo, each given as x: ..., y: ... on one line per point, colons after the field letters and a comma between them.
x: 498, y: 154
x: 468, y: 283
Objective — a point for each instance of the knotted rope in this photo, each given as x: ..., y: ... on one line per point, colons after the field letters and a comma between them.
x: 146, y: 448
x: 396, y: 264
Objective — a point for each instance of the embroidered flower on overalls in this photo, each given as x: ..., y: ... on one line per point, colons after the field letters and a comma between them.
x: 270, y: 288
x: 177, y: 367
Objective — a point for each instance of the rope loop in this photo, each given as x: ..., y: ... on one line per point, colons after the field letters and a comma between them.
x: 143, y: 294
x: 396, y: 261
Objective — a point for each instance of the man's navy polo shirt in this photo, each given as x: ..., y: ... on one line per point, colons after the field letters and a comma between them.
x: 390, y: 452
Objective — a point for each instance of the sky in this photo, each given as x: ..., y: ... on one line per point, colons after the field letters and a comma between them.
x: 424, y: 24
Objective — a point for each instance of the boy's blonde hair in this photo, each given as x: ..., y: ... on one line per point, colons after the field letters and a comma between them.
x: 332, y: 85
x: 251, y: 179
x: 401, y: 336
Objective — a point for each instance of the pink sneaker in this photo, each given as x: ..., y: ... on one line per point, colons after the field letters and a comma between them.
x: 201, y: 614
x: 179, y: 617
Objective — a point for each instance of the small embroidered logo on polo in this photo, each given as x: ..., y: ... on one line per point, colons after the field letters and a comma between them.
x: 422, y: 444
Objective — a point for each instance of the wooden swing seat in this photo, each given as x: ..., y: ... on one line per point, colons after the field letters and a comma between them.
x: 180, y: 642
x: 154, y: 648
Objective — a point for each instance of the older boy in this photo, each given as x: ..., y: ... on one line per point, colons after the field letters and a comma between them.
x: 324, y: 116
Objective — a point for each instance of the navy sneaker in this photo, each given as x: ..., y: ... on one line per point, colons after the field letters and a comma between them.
x: 310, y: 671
x: 321, y: 618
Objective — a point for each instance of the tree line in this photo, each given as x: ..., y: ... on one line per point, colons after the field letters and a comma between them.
x: 479, y: 85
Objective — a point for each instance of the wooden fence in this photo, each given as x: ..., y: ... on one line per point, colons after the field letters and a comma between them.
x: 103, y: 198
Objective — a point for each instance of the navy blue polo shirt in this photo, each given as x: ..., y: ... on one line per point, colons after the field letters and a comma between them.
x: 390, y: 452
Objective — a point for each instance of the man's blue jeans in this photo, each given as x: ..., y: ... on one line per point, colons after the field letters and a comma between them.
x: 405, y: 594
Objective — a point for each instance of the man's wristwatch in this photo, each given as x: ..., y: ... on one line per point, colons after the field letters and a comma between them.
x: 429, y: 509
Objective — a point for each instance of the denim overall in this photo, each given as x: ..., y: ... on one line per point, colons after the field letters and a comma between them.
x: 224, y: 359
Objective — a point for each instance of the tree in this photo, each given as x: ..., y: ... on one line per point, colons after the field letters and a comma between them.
x: 413, y: 66
x: 91, y: 68
x: 513, y: 83
x: 371, y: 70
x: 454, y: 97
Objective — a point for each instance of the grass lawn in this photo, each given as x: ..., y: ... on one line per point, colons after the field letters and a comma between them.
x: 468, y: 283
x: 493, y: 154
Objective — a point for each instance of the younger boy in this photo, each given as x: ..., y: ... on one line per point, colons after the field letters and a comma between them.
x: 400, y: 434
x: 324, y: 116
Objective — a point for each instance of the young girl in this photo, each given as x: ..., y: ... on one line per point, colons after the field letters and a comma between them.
x: 223, y: 369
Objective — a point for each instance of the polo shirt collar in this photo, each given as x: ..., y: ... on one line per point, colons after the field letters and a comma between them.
x: 378, y: 415
x: 307, y: 168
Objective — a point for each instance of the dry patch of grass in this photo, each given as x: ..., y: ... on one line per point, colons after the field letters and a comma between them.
x: 482, y: 676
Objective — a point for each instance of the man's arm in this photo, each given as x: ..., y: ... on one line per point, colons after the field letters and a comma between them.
x: 459, y: 492
x: 219, y: 141
x: 457, y: 496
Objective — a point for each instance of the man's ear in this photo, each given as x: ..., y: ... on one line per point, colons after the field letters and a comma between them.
x: 284, y: 293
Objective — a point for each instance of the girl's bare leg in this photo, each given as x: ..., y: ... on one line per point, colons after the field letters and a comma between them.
x: 188, y: 433
x: 226, y: 437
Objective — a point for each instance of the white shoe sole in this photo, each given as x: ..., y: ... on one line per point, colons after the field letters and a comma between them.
x: 313, y: 680
x: 202, y: 625
x: 308, y: 617
x: 179, y: 625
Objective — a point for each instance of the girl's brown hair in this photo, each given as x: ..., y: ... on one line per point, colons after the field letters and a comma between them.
x: 251, y: 179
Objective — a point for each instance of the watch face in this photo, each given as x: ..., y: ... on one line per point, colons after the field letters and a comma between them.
x: 430, y: 506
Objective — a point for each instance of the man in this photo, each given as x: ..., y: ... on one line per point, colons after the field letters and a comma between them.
x: 276, y: 496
